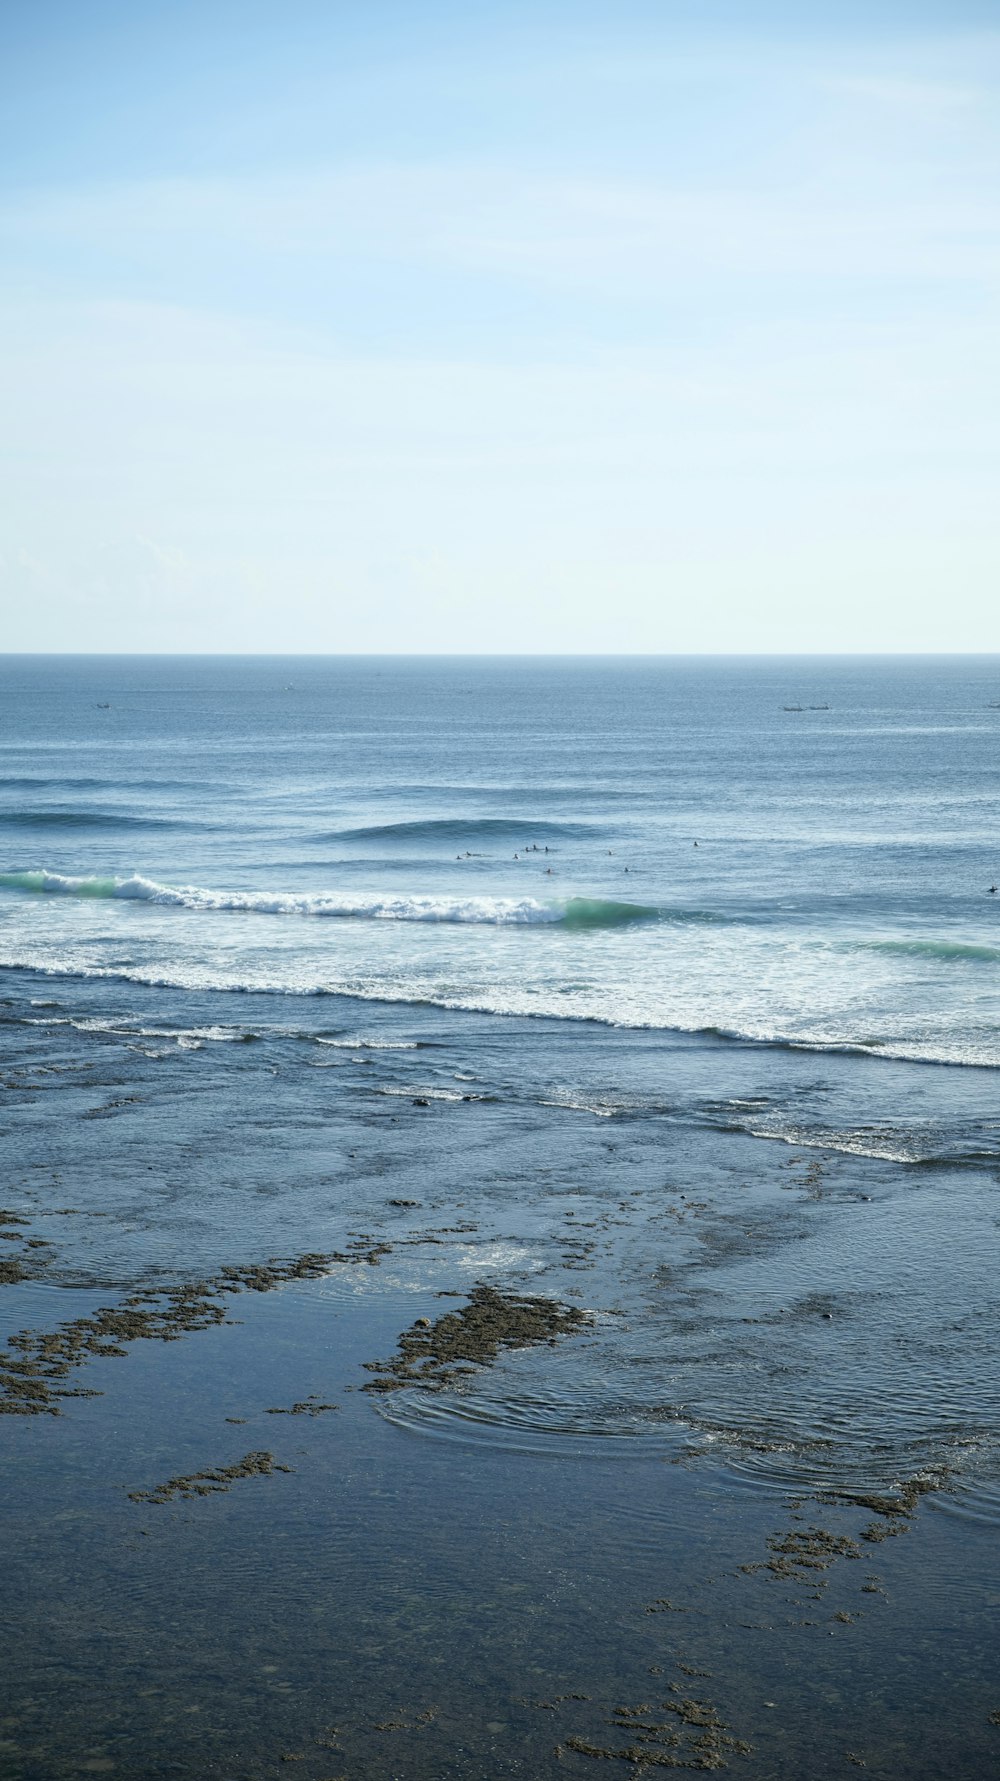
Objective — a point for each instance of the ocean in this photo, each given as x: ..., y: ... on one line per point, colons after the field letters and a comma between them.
x: 665, y: 991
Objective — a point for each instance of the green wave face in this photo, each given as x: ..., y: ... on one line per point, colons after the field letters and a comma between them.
x: 593, y: 912
x: 50, y: 884
x: 948, y: 950
x: 576, y: 912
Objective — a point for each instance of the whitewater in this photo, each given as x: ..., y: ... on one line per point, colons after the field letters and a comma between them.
x: 576, y: 911
x: 666, y: 845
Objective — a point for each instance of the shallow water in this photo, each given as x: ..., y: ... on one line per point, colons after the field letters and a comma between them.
x: 785, y: 1247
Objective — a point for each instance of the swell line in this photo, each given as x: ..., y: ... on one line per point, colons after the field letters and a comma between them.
x: 87, y: 819
x: 575, y: 912
x: 947, y: 951
x: 476, y: 828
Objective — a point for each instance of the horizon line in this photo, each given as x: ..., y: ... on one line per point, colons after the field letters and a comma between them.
x: 501, y: 655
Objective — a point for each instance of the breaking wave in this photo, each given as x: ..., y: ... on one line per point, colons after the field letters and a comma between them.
x: 574, y: 912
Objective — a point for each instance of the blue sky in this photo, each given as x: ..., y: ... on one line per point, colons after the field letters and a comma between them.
x: 499, y: 327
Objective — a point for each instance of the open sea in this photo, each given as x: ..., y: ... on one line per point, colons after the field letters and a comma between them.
x: 667, y: 990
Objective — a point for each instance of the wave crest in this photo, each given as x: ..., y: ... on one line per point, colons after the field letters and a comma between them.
x: 474, y: 828
x: 575, y: 912
x: 85, y: 819
x: 948, y: 951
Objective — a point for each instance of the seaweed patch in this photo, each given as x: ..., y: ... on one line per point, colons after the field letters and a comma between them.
x: 895, y: 1510
x: 210, y: 1482
x: 13, y: 1267
x: 432, y: 1355
x: 679, y: 1733
x: 797, y: 1554
x: 33, y: 1371
x: 310, y: 1406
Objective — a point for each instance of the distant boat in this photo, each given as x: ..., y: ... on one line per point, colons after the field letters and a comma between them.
x: 818, y: 708
x: 993, y: 704
x: 104, y: 707
x: 793, y: 707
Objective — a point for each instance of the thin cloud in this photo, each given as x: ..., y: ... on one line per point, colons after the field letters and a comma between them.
x: 615, y: 235
x: 919, y: 98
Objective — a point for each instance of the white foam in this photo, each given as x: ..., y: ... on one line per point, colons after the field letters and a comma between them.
x: 495, y: 911
x: 192, y: 1037
x: 619, y: 1008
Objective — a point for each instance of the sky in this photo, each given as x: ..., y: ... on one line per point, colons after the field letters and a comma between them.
x: 359, y: 326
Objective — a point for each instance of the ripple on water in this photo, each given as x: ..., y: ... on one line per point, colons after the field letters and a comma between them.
x: 569, y: 1423
x: 782, y: 1406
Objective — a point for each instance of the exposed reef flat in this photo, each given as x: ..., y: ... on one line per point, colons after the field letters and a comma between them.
x: 477, y: 1440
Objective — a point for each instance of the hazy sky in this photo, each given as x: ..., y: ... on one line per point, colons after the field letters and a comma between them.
x: 355, y: 325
